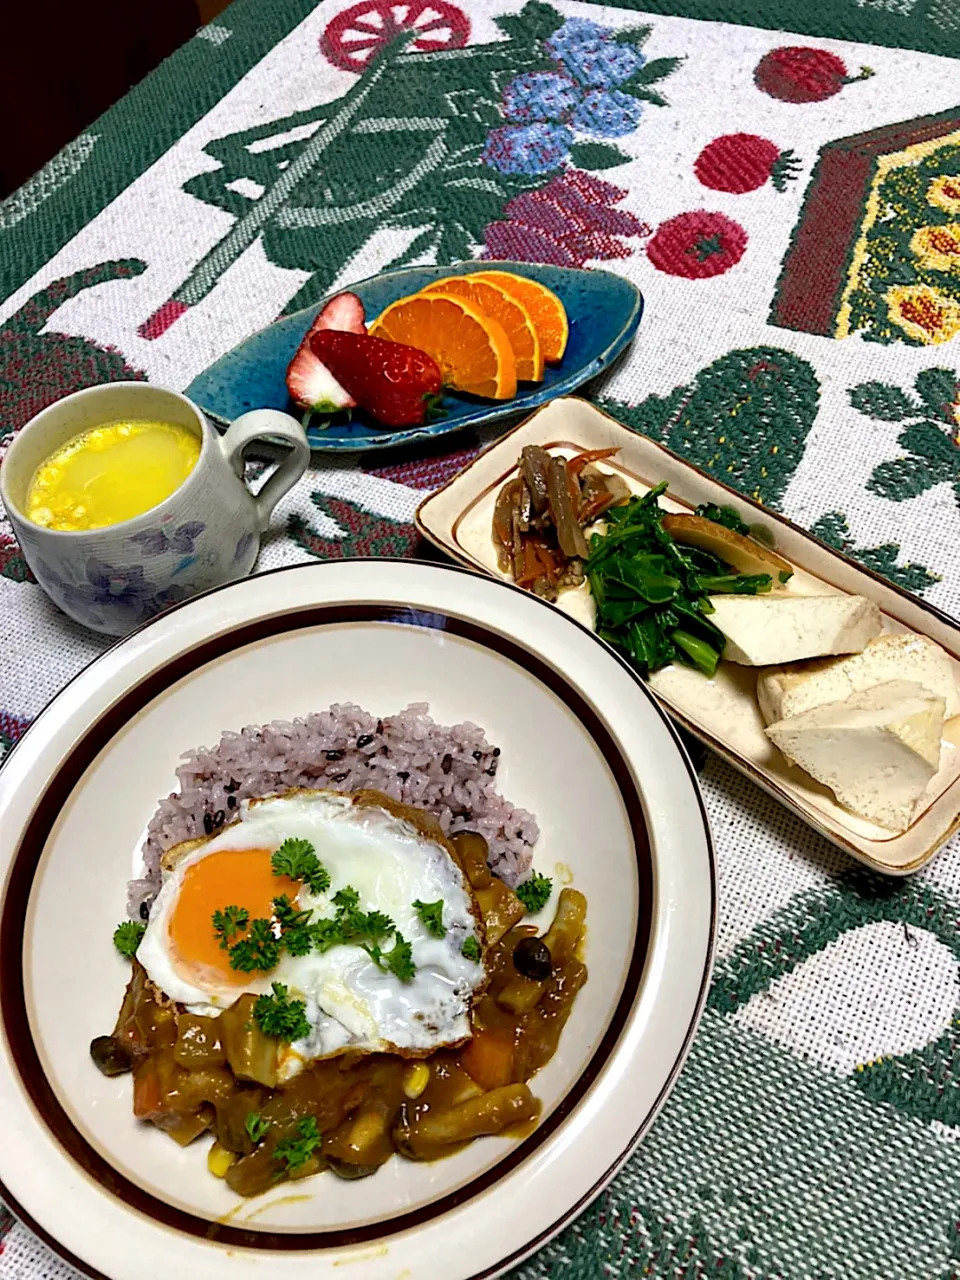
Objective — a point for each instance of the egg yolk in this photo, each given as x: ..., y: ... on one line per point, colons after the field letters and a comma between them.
x: 228, y: 878
x: 111, y: 473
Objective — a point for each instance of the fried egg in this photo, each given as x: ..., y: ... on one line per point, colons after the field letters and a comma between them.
x: 351, y: 1003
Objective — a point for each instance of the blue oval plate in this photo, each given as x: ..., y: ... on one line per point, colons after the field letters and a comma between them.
x: 603, y: 311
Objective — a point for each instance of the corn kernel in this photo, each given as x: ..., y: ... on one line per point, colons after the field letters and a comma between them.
x: 219, y: 1160
x: 415, y: 1079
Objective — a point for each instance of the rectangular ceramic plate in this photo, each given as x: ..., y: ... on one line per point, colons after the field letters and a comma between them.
x: 722, y: 712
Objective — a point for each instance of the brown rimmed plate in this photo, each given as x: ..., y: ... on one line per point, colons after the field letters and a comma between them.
x: 722, y: 712
x: 585, y: 747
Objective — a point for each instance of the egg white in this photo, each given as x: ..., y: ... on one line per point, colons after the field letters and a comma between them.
x: 350, y: 1002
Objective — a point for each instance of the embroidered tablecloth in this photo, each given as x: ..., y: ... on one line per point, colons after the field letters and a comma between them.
x: 790, y: 206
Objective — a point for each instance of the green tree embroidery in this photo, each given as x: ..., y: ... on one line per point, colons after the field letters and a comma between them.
x: 37, y: 367
x: 617, y: 1238
x: 401, y: 150
x: 833, y: 529
x: 363, y: 532
x: 744, y: 419
x: 930, y: 438
x: 921, y: 1083
x: 953, y: 1240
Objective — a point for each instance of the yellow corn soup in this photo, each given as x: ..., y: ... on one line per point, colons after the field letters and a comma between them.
x: 111, y: 473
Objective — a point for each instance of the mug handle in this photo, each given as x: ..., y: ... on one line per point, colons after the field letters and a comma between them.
x: 260, y: 424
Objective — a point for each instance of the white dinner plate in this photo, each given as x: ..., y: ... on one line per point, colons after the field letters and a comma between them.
x: 584, y: 747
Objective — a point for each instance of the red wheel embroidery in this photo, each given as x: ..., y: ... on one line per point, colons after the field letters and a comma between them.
x: 355, y: 36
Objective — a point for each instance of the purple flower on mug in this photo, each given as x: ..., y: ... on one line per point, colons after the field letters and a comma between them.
x: 111, y: 585
x: 243, y: 546
x: 184, y: 537
x: 116, y: 588
x: 154, y: 542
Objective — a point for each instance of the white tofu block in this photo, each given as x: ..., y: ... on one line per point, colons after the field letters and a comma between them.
x: 771, y: 629
x: 789, y: 691
x: 876, y: 750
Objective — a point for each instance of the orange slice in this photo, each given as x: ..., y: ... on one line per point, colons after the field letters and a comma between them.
x: 511, y: 314
x: 472, y: 349
x: 545, y: 308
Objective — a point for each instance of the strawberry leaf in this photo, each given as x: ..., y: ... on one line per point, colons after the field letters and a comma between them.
x: 597, y: 155
x: 633, y: 35
x: 646, y: 95
x: 650, y: 72
x: 436, y: 411
x: 939, y: 389
x: 535, y: 21
x: 884, y: 401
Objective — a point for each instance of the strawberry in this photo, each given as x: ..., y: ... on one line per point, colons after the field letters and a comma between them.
x: 343, y: 312
x: 796, y: 73
x: 312, y: 386
x: 740, y: 162
x: 392, y: 381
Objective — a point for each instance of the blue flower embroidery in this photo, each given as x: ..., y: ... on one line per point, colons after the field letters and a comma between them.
x: 532, y: 148
x: 540, y: 96
x: 607, y: 113
x: 594, y: 60
x: 576, y: 33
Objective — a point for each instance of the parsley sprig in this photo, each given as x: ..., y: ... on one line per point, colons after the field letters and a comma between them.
x: 471, y: 949
x: 259, y: 951
x: 228, y: 923
x: 128, y: 936
x: 294, y: 926
x: 398, y: 960
x: 279, y: 1017
x: 535, y: 892
x: 366, y: 929
x: 431, y: 917
x: 298, y: 933
x: 256, y: 1127
x: 297, y: 860
x: 297, y: 1149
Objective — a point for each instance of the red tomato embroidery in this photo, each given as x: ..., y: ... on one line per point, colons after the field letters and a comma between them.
x: 697, y: 245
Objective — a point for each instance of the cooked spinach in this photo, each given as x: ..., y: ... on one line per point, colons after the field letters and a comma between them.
x: 729, y: 517
x: 652, y: 593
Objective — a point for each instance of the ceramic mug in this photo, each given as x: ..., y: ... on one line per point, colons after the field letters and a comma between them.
x: 206, y: 533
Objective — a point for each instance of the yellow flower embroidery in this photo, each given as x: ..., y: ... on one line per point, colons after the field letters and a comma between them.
x: 938, y: 247
x: 944, y: 193
x: 923, y: 313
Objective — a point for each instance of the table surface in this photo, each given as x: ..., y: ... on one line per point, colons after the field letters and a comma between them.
x: 800, y: 261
